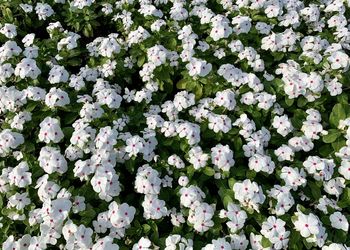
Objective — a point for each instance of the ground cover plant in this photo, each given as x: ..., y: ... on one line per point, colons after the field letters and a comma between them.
x: 174, y: 124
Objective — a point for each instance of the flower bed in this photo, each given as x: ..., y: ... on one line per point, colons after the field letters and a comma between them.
x: 174, y: 124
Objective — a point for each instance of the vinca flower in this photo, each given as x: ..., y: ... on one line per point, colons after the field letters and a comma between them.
x: 174, y: 124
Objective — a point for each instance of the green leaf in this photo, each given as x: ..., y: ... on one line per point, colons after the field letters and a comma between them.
x: 237, y: 143
x: 325, y: 220
x: 265, y: 242
x: 146, y: 228
x: 298, y: 117
x: 251, y: 174
x: 172, y: 43
x: 131, y: 231
x: 289, y: 102
x: 164, y: 74
x: 190, y: 171
x: 226, y: 196
x: 68, y: 131
x: 184, y: 146
x: 74, y: 62
x: 141, y: 61
x: 31, y: 106
x: 130, y: 165
x: 181, y: 84
x: 294, y: 240
x: 231, y: 182
x: 208, y: 171
x: 155, y: 234
x: 87, y: 31
x: 332, y: 135
x: 338, y: 113
x: 198, y: 91
x: 343, y: 98
x: 302, y: 101
x: 28, y: 147
x: 89, y: 213
x: 340, y: 236
x: 326, y: 150
x: 315, y: 190
x: 1, y: 202
x: 344, y: 198
x: 70, y: 118
x: 8, y: 15
x: 338, y: 144
x: 227, y: 200
x: 308, y: 245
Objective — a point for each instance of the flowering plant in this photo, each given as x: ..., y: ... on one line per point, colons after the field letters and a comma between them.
x: 172, y: 124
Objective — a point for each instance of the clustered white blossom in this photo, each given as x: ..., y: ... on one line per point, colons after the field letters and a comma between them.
x: 174, y: 124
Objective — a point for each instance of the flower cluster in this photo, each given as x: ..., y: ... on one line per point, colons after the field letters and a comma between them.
x: 174, y: 124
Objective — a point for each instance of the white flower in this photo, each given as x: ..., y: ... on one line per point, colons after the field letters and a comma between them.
x: 293, y: 177
x: 236, y: 216
x: 176, y: 161
x: 198, y: 67
x: 59, y: 209
x: 339, y: 221
x: 43, y: 11
x: 239, y: 241
x: 265, y: 100
x: 282, y: 124
x: 56, y: 98
x: 307, y: 225
x: 260, y: 162
x: 335, y: 246
x: 344, y: 169
x: 220, y: 243
x: 249, y: 194
x: 58, y: 74
x: 9, y: 140
x: 142, y: 244
x: 109, y: 46
x: 201, y: 217
x: 26, y: 7
x: 226, y: 99
x: 147, y: 180
x: 177, y: 219
x: 272, y: 228
x: 105, y: 243
x: 154, y: 208
x: 19, y: 120
x: 81, y: 4
x: 220, y: 28
x: 9, y: 30
x: 242, y: 24
x: 339, y: 59
x: 284, y: 153
x: 122, y: 215
x: 50, y: 130
x: 183, y: 181
x: 134, y: 145
x: 197, y: 158
x: 83, y: 236
x: 51, y: 160
x: 19, y: 201
x: 20, y: 175
x: 27, y: 68
x: 6, y: 71
x: 219, y: 123
x: 191, y: 196
x: 78, y: 204
x: 183, y: 100
x: 335, y: 186
x: 37, y: 243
